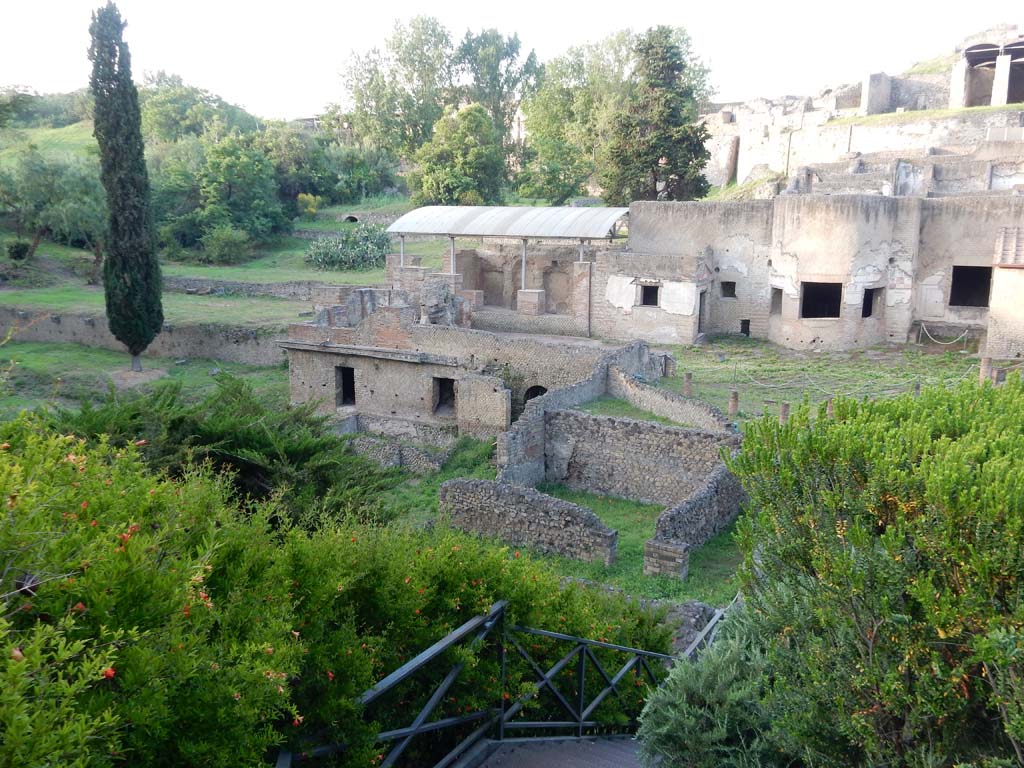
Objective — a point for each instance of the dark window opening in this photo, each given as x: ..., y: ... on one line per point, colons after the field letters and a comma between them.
x: 444, y: 396
x: 535, y: 391
x: 971, y: 286
x: 649, y: 295
x: 776, y: 301
x: 728, y: 289
x: 344, y: 385
x: 745, y: 327
x: 820, y: 299
x: 872, y: 301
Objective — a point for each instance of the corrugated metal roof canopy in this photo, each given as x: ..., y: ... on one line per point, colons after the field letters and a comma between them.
x: 497, y: 221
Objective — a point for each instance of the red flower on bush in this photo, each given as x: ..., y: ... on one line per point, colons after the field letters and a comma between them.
x: 109, y: 673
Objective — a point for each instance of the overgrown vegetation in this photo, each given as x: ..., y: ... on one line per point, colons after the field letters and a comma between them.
x: 712, y: 567
x: 881, y: 575
x: 181, y: 631
x: 363, y: 247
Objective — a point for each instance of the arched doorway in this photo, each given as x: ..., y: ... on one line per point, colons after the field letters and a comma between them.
x: 534, y: 391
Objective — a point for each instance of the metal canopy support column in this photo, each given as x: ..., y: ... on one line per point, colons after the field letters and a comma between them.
x: 401, y: 250
x: 452, y: 270
x: 581, y: 249
x: 523, y: 280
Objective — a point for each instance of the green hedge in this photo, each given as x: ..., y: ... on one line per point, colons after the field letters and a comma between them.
x: 884, y: 556
x: 180, y: 630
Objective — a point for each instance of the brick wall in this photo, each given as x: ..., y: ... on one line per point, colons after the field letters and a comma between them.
x: 394, y: 453
x: 526, y: 517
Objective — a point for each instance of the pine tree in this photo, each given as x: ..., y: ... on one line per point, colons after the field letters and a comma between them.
x: 131, y: 272
x: 656, y: 150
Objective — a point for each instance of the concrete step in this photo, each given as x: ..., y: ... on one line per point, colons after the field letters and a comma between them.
x: 599, y: 753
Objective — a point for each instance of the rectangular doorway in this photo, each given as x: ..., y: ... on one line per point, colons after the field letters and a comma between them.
x: 444, y: 396
x: 344, y: 386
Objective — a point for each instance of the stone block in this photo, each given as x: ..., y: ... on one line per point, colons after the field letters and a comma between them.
x: 475, y: 299
x: 531, y: 301
x: 666, y: 558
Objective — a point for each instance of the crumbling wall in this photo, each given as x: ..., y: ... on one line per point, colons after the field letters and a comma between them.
x: 526, y: 517
x: 215, y: 342
x: 687, y: 411
x: 639, y: 460
x: 393, y: 454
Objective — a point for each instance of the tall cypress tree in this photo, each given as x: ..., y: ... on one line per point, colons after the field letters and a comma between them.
x: 131, y: 272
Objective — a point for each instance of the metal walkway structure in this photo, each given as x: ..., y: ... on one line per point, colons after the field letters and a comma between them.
x: 557, y: 721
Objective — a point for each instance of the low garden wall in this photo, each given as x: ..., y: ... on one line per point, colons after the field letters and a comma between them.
x: 303, y: 290
x: 392, y: 453
x: 529, y: 518
x: 665, y: 403
x: 216, y: 342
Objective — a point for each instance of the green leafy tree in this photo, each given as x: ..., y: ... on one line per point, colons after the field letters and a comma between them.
x: 400, y: 92
x: 13, y: 102
x: 238, y: 189
x: 499, y: 78
x: 463, y: 164
x: 656, y: 150
x: 301, y: 165
x: 131, y: 272
x: 175, y: 171
x: 171, y: 109
x: 555, y: 170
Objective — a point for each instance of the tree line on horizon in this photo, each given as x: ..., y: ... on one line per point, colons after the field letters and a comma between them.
x: 423, y: 112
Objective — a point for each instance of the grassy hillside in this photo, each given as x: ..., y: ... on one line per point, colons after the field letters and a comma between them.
x: 76, y: 139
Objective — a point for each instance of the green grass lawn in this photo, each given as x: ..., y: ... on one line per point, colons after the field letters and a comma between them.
x: 612, y: 406
x: 33, y: 374
x: 71, y: 140
x: 764, y: 372
x: 179, y: 308
x: 414, y: 502
x: 712, y: 567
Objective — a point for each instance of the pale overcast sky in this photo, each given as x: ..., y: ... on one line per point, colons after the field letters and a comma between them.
x: 283, y: 59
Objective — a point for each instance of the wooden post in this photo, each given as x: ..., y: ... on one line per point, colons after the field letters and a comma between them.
x: 688, y: 384
x: 985, y: 373
x: 783, y: 413
x: 734, y: 403
x: 830, y: 412
x: 917, y: 388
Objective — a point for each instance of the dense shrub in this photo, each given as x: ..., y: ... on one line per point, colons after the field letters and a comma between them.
x: 883, y: 559
x: 18, y: 250
x: 365, y: 246
x: 225, y: 245
x: 267, y: 449
x: 183, y: 632
x: 174, y: 597
x: 708, y: 714
x: 307, y: 205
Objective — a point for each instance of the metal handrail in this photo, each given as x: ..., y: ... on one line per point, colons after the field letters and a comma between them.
x: 577, y: 708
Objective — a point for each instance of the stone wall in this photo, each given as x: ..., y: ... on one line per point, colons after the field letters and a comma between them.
x: 394, y: 453
x: 526, y: 517
x: 520, y: 450
x: 662, y: 402
x: 509, y: 321
x: 215, y: 342
x: 639, y: 460
x: 303, y: 290
x: 704, y: 513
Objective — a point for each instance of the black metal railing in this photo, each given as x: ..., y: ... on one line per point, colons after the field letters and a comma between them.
x: 566, y: 695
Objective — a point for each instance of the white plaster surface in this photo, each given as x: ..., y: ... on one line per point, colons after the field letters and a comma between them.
x: 679, y: 298
x: 621, y: 292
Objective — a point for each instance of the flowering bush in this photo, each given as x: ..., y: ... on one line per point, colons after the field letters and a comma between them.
x: 91, y: 535
x: 182, y: 631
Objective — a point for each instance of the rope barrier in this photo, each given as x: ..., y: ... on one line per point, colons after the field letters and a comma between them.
x: 943, y: 343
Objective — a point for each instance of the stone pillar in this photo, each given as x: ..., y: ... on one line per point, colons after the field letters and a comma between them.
x: 958, y: 85
x: 1001, y: 82
x: 830, y: 411
x: 522, y: 284
x: 783, y: 413
x: 688, y: 384
x: 734, y: 403
x: 876, y: 94
x: 401, y: 250
x: 985, y: 370
x: 531, y: 302
x: 452, y: 260
x: 581, y: 276
x: 666, y: 558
